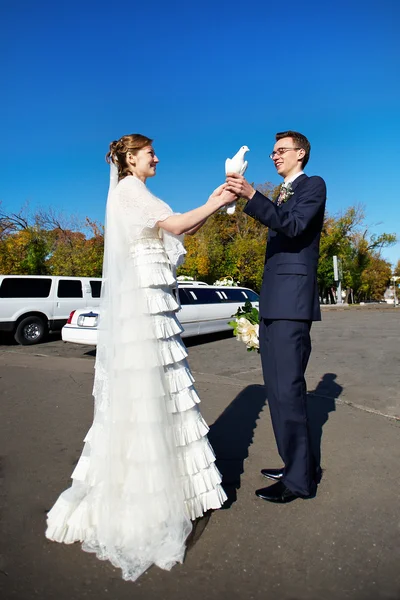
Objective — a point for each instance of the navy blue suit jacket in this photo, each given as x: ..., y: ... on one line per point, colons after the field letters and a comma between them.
x: 289, y: 289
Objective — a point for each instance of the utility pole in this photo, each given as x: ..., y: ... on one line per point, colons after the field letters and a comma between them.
x: 337, y: 277
x: 395, y: 279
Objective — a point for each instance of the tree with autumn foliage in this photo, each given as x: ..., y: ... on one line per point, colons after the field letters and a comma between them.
x: 234, y: 246
x: 23, y: 245
x: 226, y: 246
x: 396, y: 270
x: 365, y: 273
x: 49, y: 244
x: 74, y: 252
x: 375, y: 278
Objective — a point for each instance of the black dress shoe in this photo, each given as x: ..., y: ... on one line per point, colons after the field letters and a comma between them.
x: 275, y: 474
x: 279, y: 493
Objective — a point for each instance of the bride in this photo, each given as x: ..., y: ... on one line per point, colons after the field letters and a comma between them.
x: 147, y: 469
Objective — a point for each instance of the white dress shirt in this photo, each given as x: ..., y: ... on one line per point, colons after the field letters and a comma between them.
x: 292, y: 178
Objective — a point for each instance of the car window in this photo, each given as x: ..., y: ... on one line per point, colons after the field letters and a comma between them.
x: 96, y: 288
x: 236, y: 295
x: 241, y: 295
x: 69, y: 288
x: 25, y: 287
x: 252, y: 296
x: 184, y: 297
x: 204, y: 295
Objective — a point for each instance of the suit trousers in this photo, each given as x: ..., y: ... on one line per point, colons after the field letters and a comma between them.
x: 285, y: 348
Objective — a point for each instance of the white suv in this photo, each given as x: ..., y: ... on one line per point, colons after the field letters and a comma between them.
x: 31, y: 305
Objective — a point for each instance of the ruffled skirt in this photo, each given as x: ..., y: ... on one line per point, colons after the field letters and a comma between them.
x: 140, y: 456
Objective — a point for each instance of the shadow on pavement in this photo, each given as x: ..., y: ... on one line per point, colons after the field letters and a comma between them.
x: 232, y: 434
x: 320, y: 402
x: 199, y: 526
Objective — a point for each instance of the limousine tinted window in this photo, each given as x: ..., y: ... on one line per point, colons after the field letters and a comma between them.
x: 184, y: 298
x: 24, y: 287
x: 96, y: 288
x: 69, y: 288
x: 238, y: 295
x: 203, y: 295
x: 253, y: 297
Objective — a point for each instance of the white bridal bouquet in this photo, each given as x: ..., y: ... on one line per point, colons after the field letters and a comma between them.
x: 246, y: 326
x: 226, y: 281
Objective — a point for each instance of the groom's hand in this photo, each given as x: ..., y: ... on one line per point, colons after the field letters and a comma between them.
x: 238, y: 185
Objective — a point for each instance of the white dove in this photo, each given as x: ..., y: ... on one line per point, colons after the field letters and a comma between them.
x: 236, y: 164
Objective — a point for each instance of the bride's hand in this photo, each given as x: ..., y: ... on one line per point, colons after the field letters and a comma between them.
x: 221, y: 196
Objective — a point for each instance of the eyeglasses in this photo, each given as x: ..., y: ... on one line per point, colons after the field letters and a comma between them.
x: 281, y: 151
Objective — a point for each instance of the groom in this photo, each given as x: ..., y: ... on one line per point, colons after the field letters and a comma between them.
x: 289, y: 303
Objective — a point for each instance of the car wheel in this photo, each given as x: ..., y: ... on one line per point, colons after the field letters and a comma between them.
x: 30, y: 330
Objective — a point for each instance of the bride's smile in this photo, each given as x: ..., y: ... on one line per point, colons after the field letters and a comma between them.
x: 143, y: 164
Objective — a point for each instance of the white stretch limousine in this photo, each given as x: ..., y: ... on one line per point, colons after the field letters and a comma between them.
x: 205, y: 309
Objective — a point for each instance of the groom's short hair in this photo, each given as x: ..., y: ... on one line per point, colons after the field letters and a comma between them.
x: 300, y: 140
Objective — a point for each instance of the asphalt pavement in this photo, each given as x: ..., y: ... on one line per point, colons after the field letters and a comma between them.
x: 343, y: 544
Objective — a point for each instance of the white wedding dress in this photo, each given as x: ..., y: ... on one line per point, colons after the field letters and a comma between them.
x: 147, y: 469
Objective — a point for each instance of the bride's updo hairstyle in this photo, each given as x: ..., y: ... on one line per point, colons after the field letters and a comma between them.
x: 119, y: 149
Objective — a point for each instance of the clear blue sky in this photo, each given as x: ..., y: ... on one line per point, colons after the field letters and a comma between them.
x: 202, y: 79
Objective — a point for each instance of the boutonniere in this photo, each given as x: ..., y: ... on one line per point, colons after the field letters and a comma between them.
x: 285, y: 193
